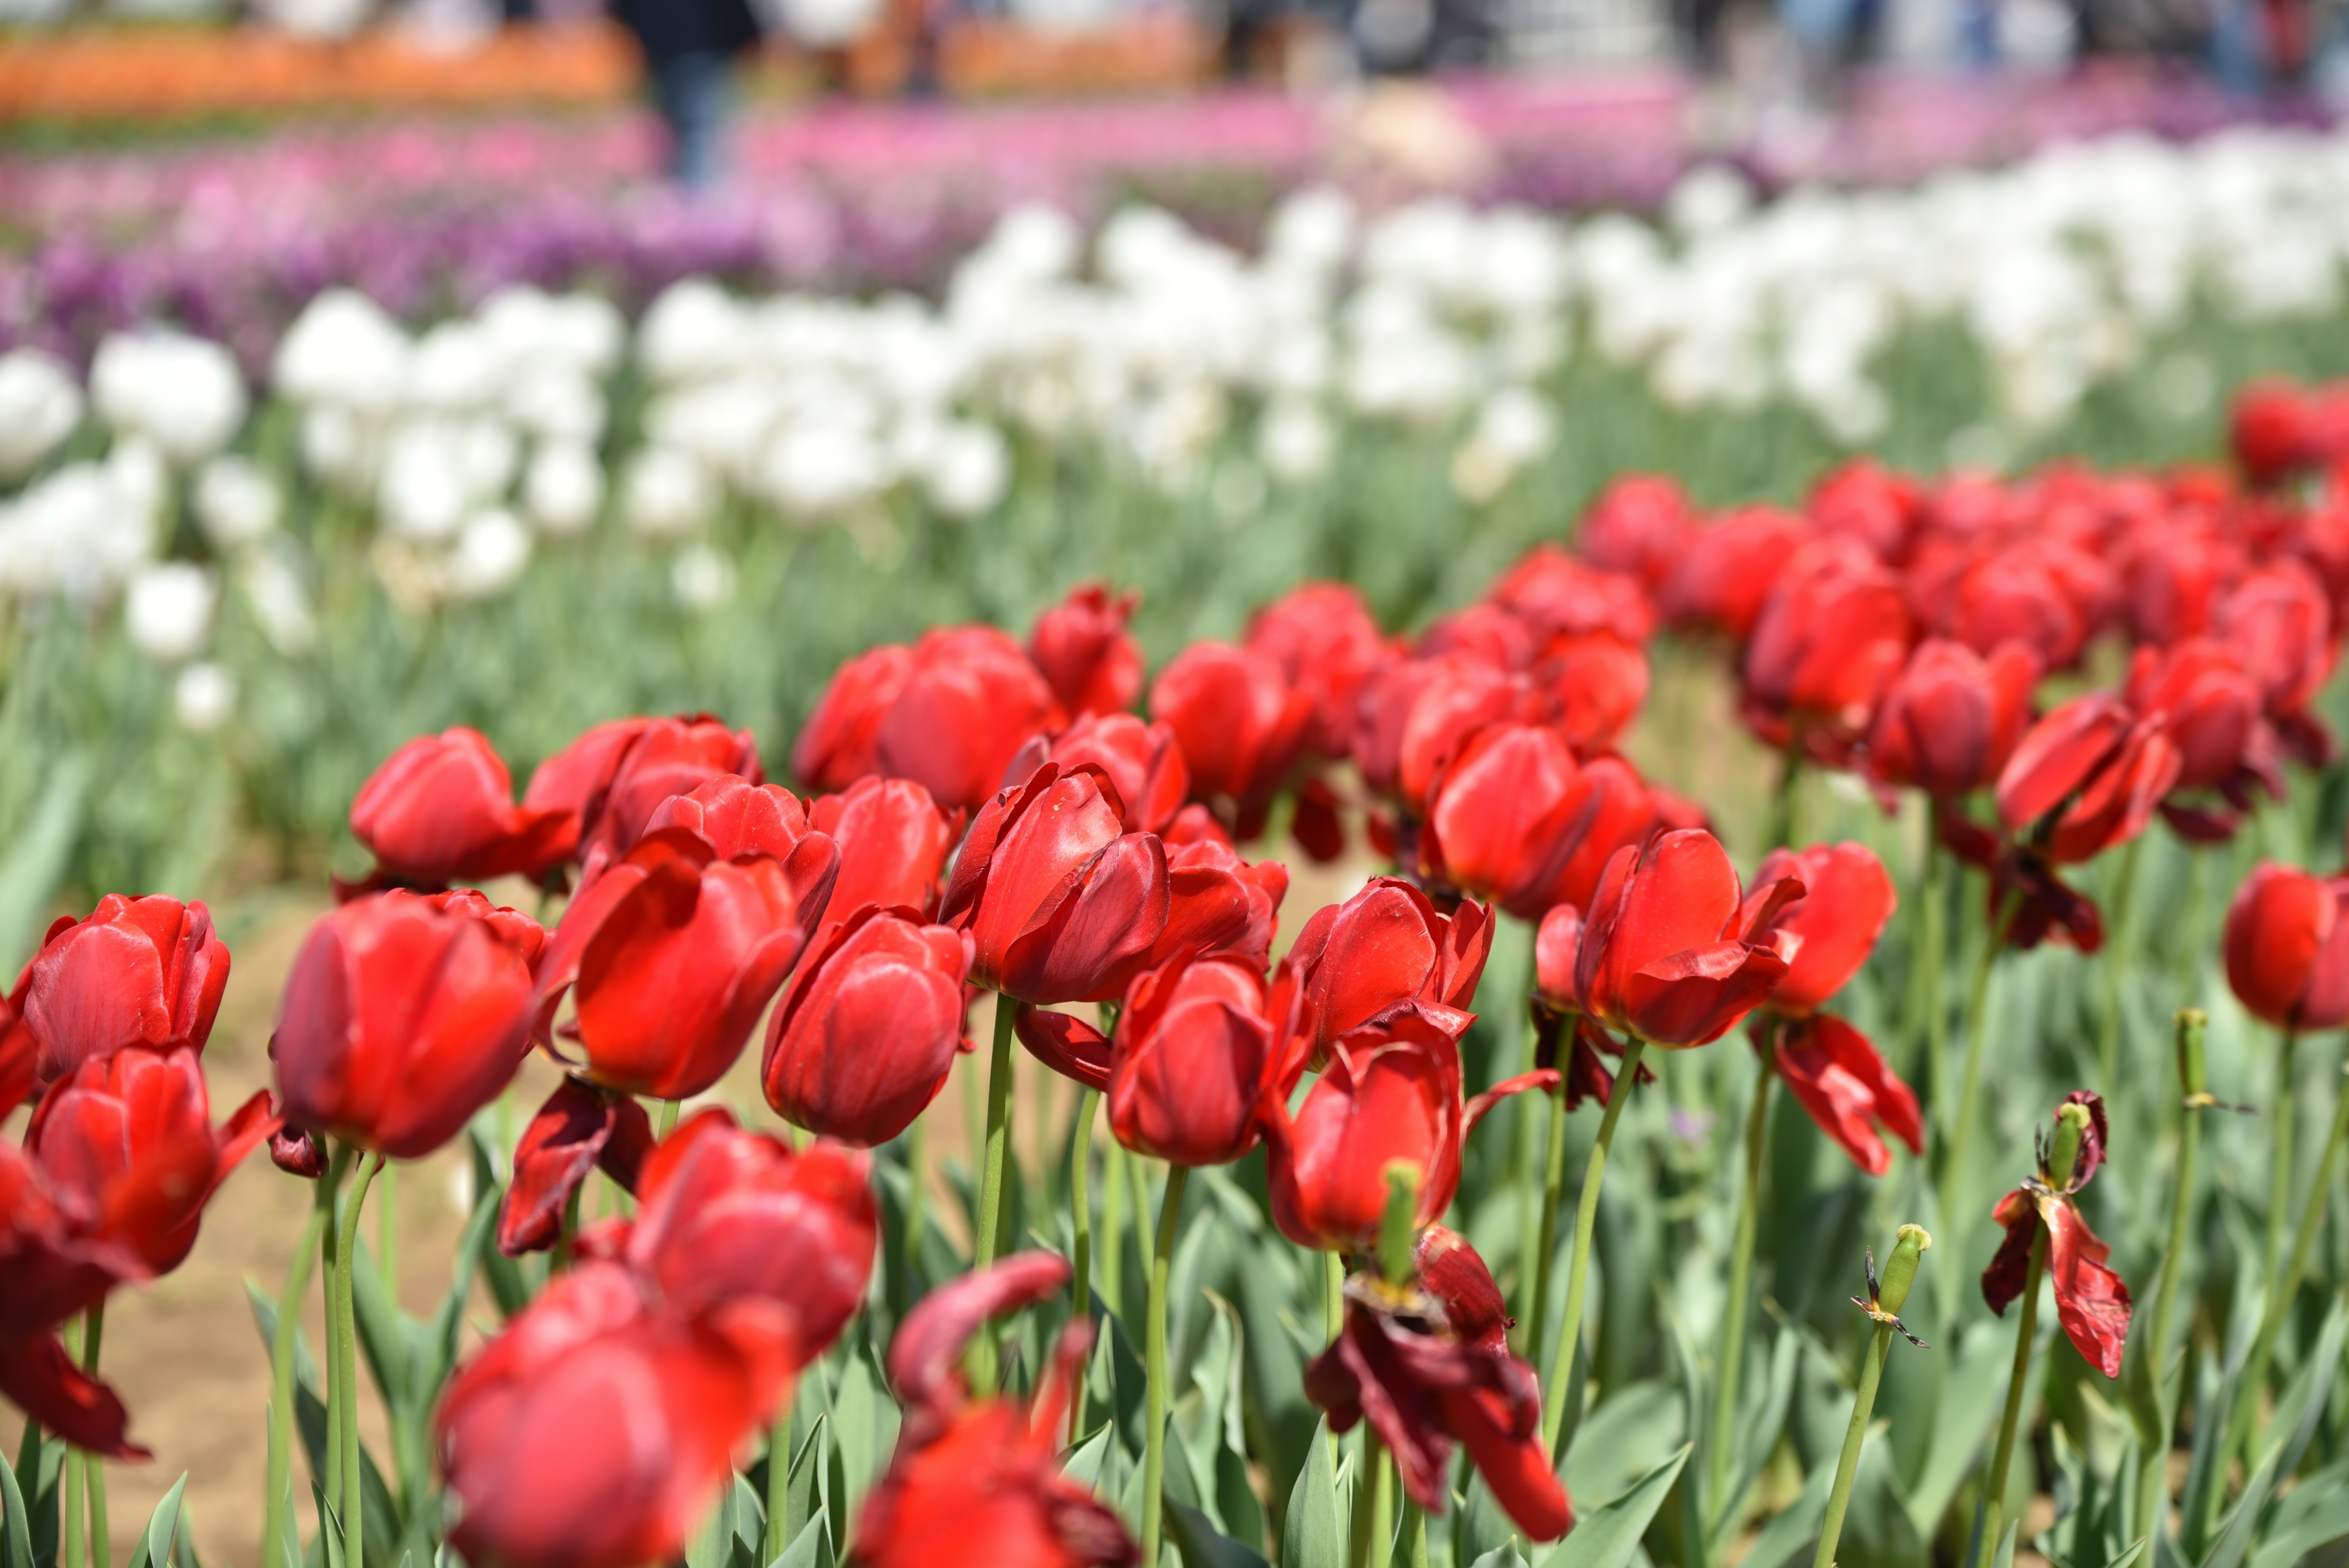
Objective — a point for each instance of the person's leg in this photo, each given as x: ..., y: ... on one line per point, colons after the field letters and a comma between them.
x: 693, y: 90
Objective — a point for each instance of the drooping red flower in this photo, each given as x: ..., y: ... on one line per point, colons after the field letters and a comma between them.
x: 1514, y: 819
x: 2287, y: 948
x: 950, y: 715
x: 1638, y: 525
x: 579, y: 1129
x: 981, y: 1480
x: 1091, y: 662
x: 441, y: 809
x: 1241, y: 725
x: 893, y: 843
x: 1830, y: 638
x: 2091, y: 1301
x: 616, y: 774
x: 1429, y: 1364
x: 1729, y: 568
x: 1385, y: 946
x: 1417, y: 711
x: 405, y: 1014
x: 1672, y: 952
x: 1843, y: 1085
x: 1392, y: 1091
x: 41, y: 1379
x: 138, y: 971
x: 1144, y: 761
x: 1322, y: 637
x: 2087, y: 777
x: 869, y: 1032
x: 1952, y: 717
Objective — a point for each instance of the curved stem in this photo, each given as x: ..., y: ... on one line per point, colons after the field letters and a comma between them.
x: 274, y: 1516
x: 1953, y: 1162
x: 1578, y: 1275
x: 2153, y: 1490
x: 1546, y: 1234
x: 354, y: 1495
x: 667, y: 1124
x: 1863, y: 1401
x: 1081, y: 1211
x: 1741, y: 1282
x: 1153, y: 1451
x: 2026, y: 1328
x: 990, y: 1183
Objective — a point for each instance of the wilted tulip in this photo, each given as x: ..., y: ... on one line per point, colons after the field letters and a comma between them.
x: 1323, y: 638
x: 613, y: 776
x: 1144, y: 761
x: 40, y: 1378
x: 1091, y: 662
x: 2087, y: 777
x: 1385, y: 946
x: 1848, y: 900
x: 580, y: 1128
x: 979, y: 1481
x: 440, y: 809
x: 2091, y: 1301
x: 1240, y: 723
x: 949, y: 714
x: 869, y: 1031
x: 2287, y: 948
x: 1952, y: 717
x: 405, y: 1014
x: 1429, y: 1364
x: 893, y: 843
x: 1672, y: 952
x: 138, y: 971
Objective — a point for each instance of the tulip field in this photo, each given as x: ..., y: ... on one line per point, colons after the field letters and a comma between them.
x: 1466, y: 887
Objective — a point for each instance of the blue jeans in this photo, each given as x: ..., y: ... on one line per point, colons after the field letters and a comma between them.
x: 694, y: 91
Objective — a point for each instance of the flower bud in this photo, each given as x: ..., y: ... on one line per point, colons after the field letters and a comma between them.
x: 1900, y: 1269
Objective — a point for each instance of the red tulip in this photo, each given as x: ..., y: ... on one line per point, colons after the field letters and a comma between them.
x: 405, y: 1014
x: 1484, y: 631
x: 1831, y: 636
x: 1590, y: 689
x: 670, y: 954
x: 1091, y: 662
x: 2211, y: 713
x: 1322, y: 637
x: 893, y: 843
x: 2046, y: 596
x: 979, y: 1481
x: 950, y: 716
x: 869, y: 1030
x: 1557, y: 596
x: 1392, y: 1092
x: 1240, y: 723
x: 1061, y: 903
x: 1386, y: 946
x: 595, y: 1432
x: 1144, y: 761
x: 2171, y: 573
x: 2092, y: 773
x: 41, y: 1379
x: 614, y: 776
x: 2273, y: 430
x: 580, y: 1128
x: 138, y: 972
x: 1219, y: 905
x: 1561, y: 1029
x: 1416, y: 713
x: 1728, y: 569
x: 1672, y: 952
x: 18, y: 1051
x: 2091, y: 1301
x: 1864, y: 500
x: 736, y: 817
x: 1432, y: 1365
x: 2287, y: 948
x: 1952, y: 717
x: 1847, y: 902
x: 440, y: 809
x: 1638, y: 525
x: 1515, y: 820
x: 2280, y: 624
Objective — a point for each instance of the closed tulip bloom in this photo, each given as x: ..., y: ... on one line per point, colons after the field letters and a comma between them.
x: 893, y: 843
x: 1674, y: 952
x: 1091, y: 662
x: 1558, y: 596
x: 1062, y: 903
x: 669, y: 956
x: 1240, y: 723
x: 405, y: 1014
x: 1847, y: 900
x: 1728, y: 569
x: 614, y: 776
x: 1322, y: 637
x: 1144, y: 761
x: 1590, y: 689
x: 1864, y: 500
x: 1637, y: 526
x: 1430, y: 1366
x: 2088, y: 776
x: 737, y: 818
x: 979, y: 1483
x: 2211, y: 710
x: 1497, y: 636
x: 1515, y: 820
x: 2280, y: 624
x: 869, y: 1030
x: 1564, y: 1037
x: 441, y: 809
x: 595, y: 1432
x: 1952, y: 717
x: 950, y: 717
x: 2273, y: 430
x: 2170, y: 577
x: 2287, y: 948
x: 1830, y: 638
x: 1383, y: 947
x: 1417, y: 711
x: 138, y: 971
x: 840, y: 742
x: 1392, y: 1092
x: 2035, y: 594
x: 2092, y: 1304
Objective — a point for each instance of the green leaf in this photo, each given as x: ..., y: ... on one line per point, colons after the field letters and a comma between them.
x: 1971, y: 1396
x: 36, y: 861
x: 382, y: 1333
x: 1608, y: 1537
x: 807, y: 1484
x: 154, y: 1547
x: 438, y: 1345
x: 1794, y: 1531
x: 2005, y: 1558
x: 1500, y: 1557
x: 1625, y: 1439
x: 15, y: 1523
x: 1315, y: 1534
x: 2296, y: 1418
x: 811, y: 1548
x: 1202, y: 1545
x: 2315, y: 1514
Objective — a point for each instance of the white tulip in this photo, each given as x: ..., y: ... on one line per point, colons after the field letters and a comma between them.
x: 236, y: 503
x: 169, y: 611
x: 667, y: 494
x: 702, y: 578
x: 563, y: 488
x: 423, y: 491
x: 40, y: 405
x: 969, y: 469
x: 183, y: 394
x: 492, y: 549
x: 342, y: 349
x: 203, y: 698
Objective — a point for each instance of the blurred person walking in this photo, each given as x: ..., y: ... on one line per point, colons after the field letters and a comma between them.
x: 690, y: 47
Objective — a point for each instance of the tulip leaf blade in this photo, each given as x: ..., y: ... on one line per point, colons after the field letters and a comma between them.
x: 807, y: 1485
x: 1087, y: 1459
x: 811, y: 1548
x: 2296, y: 1418
x: 35, y: 863
x: 1608, y: 1537
x: 2314, y: 1514
x: 1791, y: 1532
x: 436, y: 1348
x: 153, y: 1549
x: 1201, y: 1545
x: 382, y: 1332
x: 1961, y: 1419
x: 1504, y: 1555
x: 15, y: 1523
x: 1315, y: 1534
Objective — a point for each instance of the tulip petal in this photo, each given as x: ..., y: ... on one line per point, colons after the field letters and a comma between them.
x: 1066, y: 1044
x: 42, y: 1380
x: 924, y: 1359
x: 560, y: 1147
x: 2091, y: 1301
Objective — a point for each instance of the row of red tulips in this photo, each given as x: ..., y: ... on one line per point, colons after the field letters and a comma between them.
x: 993, y: 817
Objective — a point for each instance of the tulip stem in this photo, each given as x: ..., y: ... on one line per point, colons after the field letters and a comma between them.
x: 1933, y: 953
x: 917, y: 1174
x: 387, y: 1231
x: 1863, y: 1402
x: 778, y: 1482
x: 1545, y: 1259
x: 1333, y: 1295
x: 1782, y: 813
x: 2153, y: 1491
x: 2282, y: 1125
x: 2116, y: 963
x: 1953, y: 1162
x: 101, y: 1547
x: 1081, y: 1213
x: 1578, y: 1273
x: 1741, y: 1281
x: 73, y: 1552
x: 1375, y: 1491
x: 1153, y: 1451
x: 1113, y: 1243
x: 276, y: 1516
x: 990, y: 1183
x: 667, y: 1122
x: 347, y: 1425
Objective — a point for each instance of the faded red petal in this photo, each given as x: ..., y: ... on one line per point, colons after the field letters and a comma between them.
x: 1838, y: 1078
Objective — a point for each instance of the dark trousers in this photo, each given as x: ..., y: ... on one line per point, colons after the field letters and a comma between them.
x: 694, y: 91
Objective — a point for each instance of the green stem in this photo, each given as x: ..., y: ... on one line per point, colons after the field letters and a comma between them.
x: 1531, y: 1262
x: 2003, y: 1459
x: 1154, y: 1433
x: 73, y: 1552
x: 1585, y: 1224
x: 354, y: 1495
x: 667, y: 1124
x: 1536, y: 1334
x: 1863, y: 1402
x: 1081, y: 1211
x: 1373, y: 1505
x: 779, y: 1483
x: 2153, y: 1489
x: 2116, y: 963
x: 329, y: 1267
x: 1926, y: 955
x: 1782, y: 813
x: 1953, y: 1162
x: 1113, y: 1243
x: 2280, y: 1141
x: 101, y: 1547
x: 275, y: 1519
x: 990, y: 1184
x: 387, y: 1229
x: 1333, y: 1295
x: 1741, y: 1281
x: 918, y: 1172
x: 1936, y: 956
